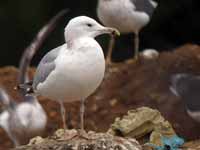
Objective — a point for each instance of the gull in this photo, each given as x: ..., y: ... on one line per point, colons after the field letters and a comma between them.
x: 74, y: 70
x: 22, y: 121
x: 25, y: 120
x: 187, y: 86
x: 128, y: 16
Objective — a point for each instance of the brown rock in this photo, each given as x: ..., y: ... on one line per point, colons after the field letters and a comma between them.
x: 96, y: 141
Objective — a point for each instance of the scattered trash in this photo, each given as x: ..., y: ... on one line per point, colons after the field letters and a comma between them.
x: 142, y: 121
x: 149, y: 54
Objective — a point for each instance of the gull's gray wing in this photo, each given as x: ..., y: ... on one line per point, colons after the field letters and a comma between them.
x: 144, y: 6
x: 188, y: 88
x: 46, y: 66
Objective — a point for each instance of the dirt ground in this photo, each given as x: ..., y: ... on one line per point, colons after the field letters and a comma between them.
x: 126, y: 86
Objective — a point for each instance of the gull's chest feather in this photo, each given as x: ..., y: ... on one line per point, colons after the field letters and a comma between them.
x: 77, y: 74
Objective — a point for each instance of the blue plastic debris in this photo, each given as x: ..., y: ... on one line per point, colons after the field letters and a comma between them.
x: 172, y: 143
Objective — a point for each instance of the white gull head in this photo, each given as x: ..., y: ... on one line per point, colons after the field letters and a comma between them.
x: 83, y: 26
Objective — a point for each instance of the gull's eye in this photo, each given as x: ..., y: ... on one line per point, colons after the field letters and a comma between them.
x: 89, y: 24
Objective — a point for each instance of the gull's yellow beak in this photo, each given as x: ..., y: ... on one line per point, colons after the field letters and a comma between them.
x: 111, y: 31
x: 116, y: 32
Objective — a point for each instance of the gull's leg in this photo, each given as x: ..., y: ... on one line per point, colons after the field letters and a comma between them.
x: 69, y: 124
x: 67, y: 134
x: 82, y: 132
x: 110, y: 49
x: 16, y: 143
x: 82, y: 111
x: 63, y: 114
x: 136, y: 45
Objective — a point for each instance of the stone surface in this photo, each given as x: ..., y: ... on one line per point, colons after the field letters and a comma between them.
x: 96, y: 141
x: 140, y: 122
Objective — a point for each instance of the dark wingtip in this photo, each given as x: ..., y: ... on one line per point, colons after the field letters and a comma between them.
x: 25, y: 88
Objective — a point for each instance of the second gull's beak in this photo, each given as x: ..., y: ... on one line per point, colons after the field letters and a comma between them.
x: 111, y: 31
x: 114, y: 31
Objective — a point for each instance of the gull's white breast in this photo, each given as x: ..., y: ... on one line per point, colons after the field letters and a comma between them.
x: 120, y: 14
x: 31, y: 116
x: 78, y: 72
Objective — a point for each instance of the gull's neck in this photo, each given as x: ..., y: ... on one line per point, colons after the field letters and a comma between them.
x: 30, y: 99
x: 71, y: 37
x: 71, y: 43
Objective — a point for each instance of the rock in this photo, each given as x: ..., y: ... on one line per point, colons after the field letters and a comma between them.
x: 96, y: 141
x: 36, y: 140
x: 140, y: 122
x: 193, y: 145
x: 113, y: 102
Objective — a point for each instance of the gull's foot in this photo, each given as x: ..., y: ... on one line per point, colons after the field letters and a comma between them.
x: 83, y: 134
x: 136, y: 57
x: 109, y: 62
x: 70, y: 134
x: 133, y: 60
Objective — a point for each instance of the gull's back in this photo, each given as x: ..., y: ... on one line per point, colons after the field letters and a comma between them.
x: 125, y: 15
x: 187, y: 86
x: 45, y: 67
x: 144, y: 6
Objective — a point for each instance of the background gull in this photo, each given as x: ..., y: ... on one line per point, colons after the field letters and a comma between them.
x: 74, y: 70
x: 22, y: 121
x: 25, y: 120
x: 5, y: 115
x: 187, y: 87
x: 127, y: 16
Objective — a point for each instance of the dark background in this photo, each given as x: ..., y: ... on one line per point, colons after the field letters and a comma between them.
x: 174, y: 23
